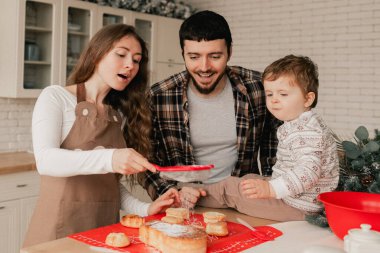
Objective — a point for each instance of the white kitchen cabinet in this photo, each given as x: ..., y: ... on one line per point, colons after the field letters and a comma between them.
x: 29, y: 46
x: 108, y: 15
x: 169, y: 58
x: 162, y: 40
x: 146, y: 27
x: 79, y: 24
x: 168, y: 40
x: 42, y: 40
x: 166, y: 69
x: 18, y: 196
x: 27, y: 206
x: 9, y: 226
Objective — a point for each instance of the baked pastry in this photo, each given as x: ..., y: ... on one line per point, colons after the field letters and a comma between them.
x: 173, y: 238
x: 217, y: 228
x: 212, y: 217
x: 178, y: 212
x: 132, y: 221
x: 117, y: 240
x: 172, y: 220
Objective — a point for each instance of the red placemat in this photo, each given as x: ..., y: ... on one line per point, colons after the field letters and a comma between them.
x: 238, y: 239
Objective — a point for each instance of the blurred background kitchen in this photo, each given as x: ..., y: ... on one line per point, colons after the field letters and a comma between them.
x: 341, y: 36
x: 42, y: 39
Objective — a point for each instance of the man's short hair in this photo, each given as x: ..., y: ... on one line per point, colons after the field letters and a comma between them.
x: 205, y: 25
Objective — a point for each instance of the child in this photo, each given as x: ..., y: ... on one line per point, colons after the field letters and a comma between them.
x: 307, y: 162
x: 89, y: 133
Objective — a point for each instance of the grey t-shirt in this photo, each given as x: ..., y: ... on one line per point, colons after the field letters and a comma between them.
x: 213, y: 132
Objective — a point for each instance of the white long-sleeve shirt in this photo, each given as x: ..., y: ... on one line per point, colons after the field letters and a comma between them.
x: 53, y: 117
x: 307, y: 162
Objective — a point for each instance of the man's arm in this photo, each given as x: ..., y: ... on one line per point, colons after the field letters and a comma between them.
x: 152, y: 182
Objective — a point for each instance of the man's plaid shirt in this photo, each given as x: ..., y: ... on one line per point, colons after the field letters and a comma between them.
x: 255, y: 127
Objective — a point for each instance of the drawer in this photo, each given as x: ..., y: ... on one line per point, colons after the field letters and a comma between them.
x: 19, y: 185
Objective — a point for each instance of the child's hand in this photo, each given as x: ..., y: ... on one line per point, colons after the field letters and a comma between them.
x: 189, y: 196
x: 169, y: 198
x: 256, y: 189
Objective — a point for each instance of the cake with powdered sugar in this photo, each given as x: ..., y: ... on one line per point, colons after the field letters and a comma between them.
x: 173, y: 238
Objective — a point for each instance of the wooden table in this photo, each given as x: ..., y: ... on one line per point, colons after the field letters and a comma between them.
x: 67, y: 245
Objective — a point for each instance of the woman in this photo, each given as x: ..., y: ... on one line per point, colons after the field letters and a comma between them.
x: 80, y: 137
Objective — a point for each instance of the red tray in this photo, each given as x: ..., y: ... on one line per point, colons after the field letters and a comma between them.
x: 238, y: 239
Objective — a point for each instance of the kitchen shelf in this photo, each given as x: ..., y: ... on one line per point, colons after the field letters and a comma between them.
x: 37, y: 29
x: 77, y: 33
x: 37, y: 62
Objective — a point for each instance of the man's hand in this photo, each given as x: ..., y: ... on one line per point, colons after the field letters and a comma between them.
x: 189, y: 196
x: 168, y: 199
x: 256, y: 189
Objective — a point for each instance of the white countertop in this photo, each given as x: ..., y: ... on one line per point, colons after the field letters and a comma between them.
x: 298, y: 236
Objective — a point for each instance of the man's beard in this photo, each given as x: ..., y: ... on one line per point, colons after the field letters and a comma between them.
x: 206, y: 90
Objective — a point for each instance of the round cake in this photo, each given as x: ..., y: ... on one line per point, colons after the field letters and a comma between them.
x: 173, y: 238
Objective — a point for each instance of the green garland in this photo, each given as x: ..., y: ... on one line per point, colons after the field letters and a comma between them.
x: 359, y: 167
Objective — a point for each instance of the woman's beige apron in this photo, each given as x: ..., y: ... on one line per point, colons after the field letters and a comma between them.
x: 68, y: 205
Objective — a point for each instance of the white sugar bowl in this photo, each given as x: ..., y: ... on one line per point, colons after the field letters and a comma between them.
x: 362, y: 240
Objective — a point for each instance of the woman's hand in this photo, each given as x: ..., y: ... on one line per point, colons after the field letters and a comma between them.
x: 168, y: 199
x: 128, y: 161
x: 256, y: 189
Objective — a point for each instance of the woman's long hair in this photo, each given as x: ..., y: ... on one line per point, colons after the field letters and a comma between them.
x: 132, y: 100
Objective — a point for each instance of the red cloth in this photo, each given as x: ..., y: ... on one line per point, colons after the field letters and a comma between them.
x: 238, y: 239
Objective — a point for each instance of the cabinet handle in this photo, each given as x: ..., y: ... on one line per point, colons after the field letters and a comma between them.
x: 2, y: 207
x: 21, y: 185
x: 170, y: 60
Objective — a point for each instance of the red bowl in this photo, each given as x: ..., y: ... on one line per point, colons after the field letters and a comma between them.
x: 347, y: 210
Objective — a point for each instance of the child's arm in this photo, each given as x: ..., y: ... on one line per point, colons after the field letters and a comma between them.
x: 132, y: 205
x: 257, y: 189
x: 169, y: 198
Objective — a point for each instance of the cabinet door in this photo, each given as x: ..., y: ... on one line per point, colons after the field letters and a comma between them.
x: 165, y: 70
x: 78, y: 26
x: 26, y: 211
x: 168, y: 47
x: 29, y: 48
x: 108, y: 15
x: 145, y: 25
x: 9, y: 226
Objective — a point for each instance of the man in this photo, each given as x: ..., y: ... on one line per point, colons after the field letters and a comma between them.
x: 209, y: 114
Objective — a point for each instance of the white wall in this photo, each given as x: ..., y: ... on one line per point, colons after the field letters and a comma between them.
x: 341, y: 36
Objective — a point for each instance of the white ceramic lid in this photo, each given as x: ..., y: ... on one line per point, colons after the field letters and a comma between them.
x: 364, y: 233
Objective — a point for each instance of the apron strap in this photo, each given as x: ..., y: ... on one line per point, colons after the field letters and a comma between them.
x: 81, y: 93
